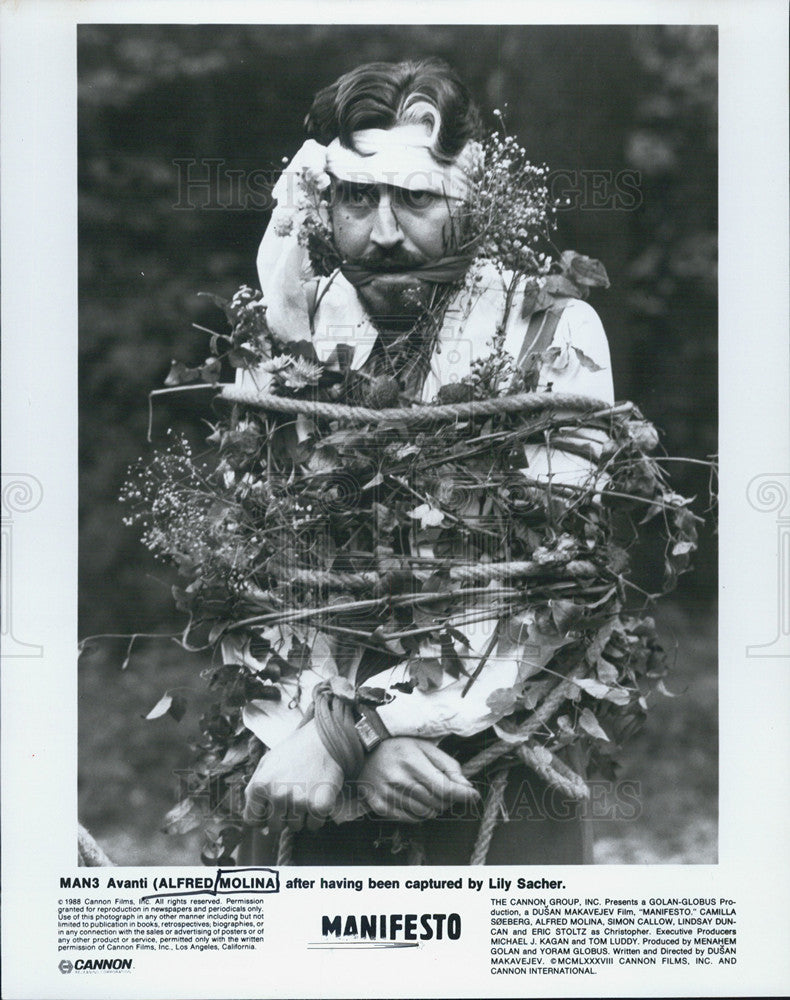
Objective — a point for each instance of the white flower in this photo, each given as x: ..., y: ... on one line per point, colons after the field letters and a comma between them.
x: 284, y: 227
x: 429, y: 517
x: 310, y: 162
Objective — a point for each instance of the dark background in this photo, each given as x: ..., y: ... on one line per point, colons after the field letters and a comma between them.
x: 590, y: 102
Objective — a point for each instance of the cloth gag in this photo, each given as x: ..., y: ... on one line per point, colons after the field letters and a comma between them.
x: 440, y: 272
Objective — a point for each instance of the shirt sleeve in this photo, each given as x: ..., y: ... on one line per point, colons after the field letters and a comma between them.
x: 581, y: 365
x: 447, y: 709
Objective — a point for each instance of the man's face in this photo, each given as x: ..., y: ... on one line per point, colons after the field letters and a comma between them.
x: 392, y: 229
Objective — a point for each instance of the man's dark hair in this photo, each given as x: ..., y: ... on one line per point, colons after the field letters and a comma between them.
x: 382, y: 95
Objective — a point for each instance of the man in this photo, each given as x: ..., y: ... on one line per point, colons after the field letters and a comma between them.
x: 393, y: 152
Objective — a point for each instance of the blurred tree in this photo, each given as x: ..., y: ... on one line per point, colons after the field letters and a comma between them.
x: 671, y: 273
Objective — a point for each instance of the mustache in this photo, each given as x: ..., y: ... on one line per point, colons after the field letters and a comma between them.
x: 386, y: 261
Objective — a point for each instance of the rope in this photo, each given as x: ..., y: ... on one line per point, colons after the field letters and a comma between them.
x: 493, y: 812
x: 334, y: 720
x: 89, y: 854
x: 444, y: 271
x: 526, y: 402
x: 555, y: 772
x: 462, y: 573
x: 285, y: 847
x: 539, y: 717
x: 340, y: 581
x: 500, y: 571
x: 520, y: 403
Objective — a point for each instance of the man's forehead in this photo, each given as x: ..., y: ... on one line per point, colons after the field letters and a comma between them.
x: 379, y: 185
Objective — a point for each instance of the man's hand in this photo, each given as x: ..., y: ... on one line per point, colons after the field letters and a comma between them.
x: 296, y: 783
x: 409, y: 779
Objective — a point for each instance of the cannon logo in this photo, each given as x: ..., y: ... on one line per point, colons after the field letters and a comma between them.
x: 96, y: 965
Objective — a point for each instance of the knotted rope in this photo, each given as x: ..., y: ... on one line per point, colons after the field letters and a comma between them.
x: 555, y: 772
x: 525, y: 402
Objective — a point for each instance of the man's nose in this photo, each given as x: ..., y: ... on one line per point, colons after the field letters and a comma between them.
x: 386, y: 232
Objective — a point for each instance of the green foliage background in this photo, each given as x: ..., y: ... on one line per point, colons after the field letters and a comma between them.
x: 586, y: 100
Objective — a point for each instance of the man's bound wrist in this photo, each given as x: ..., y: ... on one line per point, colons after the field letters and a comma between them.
x: 348, y: 728
x: 334, y: 718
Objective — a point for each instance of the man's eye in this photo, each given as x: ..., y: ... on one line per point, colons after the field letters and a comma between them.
x: 416, y: 199
x: 357, y: 195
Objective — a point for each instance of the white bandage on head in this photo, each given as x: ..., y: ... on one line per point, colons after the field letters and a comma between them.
x: 283, y: 262
x: 401, y: 157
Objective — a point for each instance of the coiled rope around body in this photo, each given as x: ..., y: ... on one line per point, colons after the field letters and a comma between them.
x: 530, y: 402
x: 525, y: 402
x: 461, y: 573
